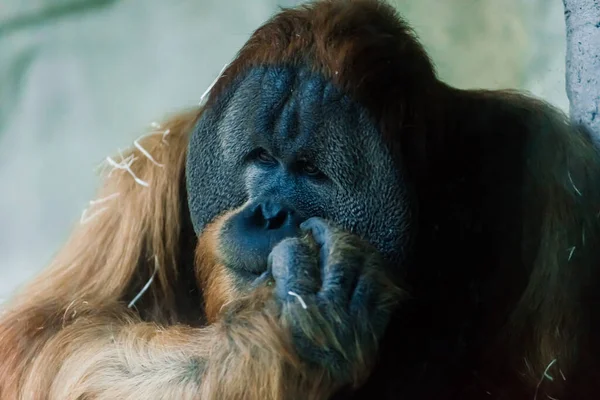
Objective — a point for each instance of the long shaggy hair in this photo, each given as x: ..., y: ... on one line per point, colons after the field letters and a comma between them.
x: 91, y: 325
x: 131, y: 233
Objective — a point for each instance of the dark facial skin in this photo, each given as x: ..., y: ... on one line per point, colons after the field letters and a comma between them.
x: 291, y: 146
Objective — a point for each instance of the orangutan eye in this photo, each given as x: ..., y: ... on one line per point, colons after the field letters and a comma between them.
x: 264, y: 157
x: 309, y: 169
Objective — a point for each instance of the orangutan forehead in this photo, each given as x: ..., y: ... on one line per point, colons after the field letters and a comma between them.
x: 291, y: 105
x: 295, y: 113
x: 289, y: 102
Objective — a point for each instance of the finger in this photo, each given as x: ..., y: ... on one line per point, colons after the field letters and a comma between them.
x: 366, y: 308
x: 262, y: 279
x: 323, y: 235
x: 319, y: 228
x: 339, y: 281
x: 294, y: 267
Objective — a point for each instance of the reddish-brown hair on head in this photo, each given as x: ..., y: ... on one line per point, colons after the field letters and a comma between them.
x: 363, y: 46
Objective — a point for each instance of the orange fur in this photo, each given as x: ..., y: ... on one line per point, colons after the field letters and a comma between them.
x: 92, y: 273
x: 69, y: 334
x: 213, y: 276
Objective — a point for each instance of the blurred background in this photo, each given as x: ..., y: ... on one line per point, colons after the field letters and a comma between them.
x: 81, y: 78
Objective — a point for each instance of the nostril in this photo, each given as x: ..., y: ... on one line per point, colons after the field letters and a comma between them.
x: 257, y: 216
x: 278, y: 220
x: 272, y: 215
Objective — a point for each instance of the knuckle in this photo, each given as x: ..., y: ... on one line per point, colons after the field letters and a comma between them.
x: 284, y: 251
x: 288, y: 244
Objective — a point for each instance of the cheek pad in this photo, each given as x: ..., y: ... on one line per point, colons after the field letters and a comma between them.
x: 214, y: 183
